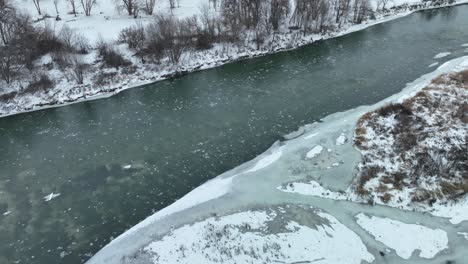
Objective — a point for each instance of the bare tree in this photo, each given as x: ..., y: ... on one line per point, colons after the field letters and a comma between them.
x: 7, y: 21
x: 172, y: 4
x: 360, y: 10
x: 381, y: 4
x: 279, y: 10
x: 131, y: 6
x: 12, y: 60
x: 56, y: 6
x: 73, y: 6
x: 149, y: 6
x: 37, y: 4
x: 78, y: 70
x: 87, y: 6
x: 341, y: 10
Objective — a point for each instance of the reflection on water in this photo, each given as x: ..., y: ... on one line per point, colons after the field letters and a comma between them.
x: 115, y: 161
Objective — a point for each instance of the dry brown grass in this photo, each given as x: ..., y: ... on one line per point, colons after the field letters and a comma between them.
x: 386, y: 198
x: 442, y: 102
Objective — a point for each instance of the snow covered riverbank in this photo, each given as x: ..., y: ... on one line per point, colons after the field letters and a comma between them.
x: 253, y: 188
x: 66, y: 91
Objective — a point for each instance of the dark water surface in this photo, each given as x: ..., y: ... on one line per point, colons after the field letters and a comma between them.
x: 179, y: 133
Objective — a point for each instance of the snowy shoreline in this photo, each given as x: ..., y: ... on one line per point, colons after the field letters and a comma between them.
x: 134, y: 81
x: 257, y: 181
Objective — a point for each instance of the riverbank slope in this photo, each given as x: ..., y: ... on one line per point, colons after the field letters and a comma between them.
x: 101, y: 82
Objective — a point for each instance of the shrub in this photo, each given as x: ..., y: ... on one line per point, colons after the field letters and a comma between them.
x: 133, y: 36
x: 79, y: 70
x: 393, y: 109
x: 110, y: 57
x: 7, y: 96
x: 386, y: 198
x: 104, y: 78
x: 43, y: 83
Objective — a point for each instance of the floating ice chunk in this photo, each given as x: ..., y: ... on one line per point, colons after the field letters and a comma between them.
x: 267, y: 160
x: 405, y: 238
x: 311, y: 136
x: 341, y: 140
x: 315, y: 151
x: 127, y: 167
x: 433, y: 64
x: 7, y: 213
x: 465, y: 45
x: 51, y: 196
x: 441, y: 55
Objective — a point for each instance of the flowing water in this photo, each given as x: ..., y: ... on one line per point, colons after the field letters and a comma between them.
x: 178, y: 133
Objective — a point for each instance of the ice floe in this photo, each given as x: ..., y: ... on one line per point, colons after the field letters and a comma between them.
x: 341, y: 140
x: 315, y: 151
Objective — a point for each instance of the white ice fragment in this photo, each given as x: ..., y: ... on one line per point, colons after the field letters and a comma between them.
x: 341, y: 140
x: 441, y: 55
x: 433, y: 64
x: 465, y: 45
x: 7, y: 213
x: 267, y: 160
x: 315, y: 151
x: 51, y: 196
x: 405, y: 238
x: 127, y: 167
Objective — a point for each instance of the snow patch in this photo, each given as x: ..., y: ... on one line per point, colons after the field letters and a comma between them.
x: 312, y: 188
x: 244, y: 238
x: 405, y: 238
x: 457, y: 212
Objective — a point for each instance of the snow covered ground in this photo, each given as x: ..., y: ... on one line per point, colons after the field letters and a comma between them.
x: 106, y: 23
x: 260, y: 237
x: 405, y: 238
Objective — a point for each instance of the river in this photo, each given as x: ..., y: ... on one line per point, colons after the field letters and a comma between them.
x: 115, y: 161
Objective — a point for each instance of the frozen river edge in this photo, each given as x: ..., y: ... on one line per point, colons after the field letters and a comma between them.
x: 250, y: 191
